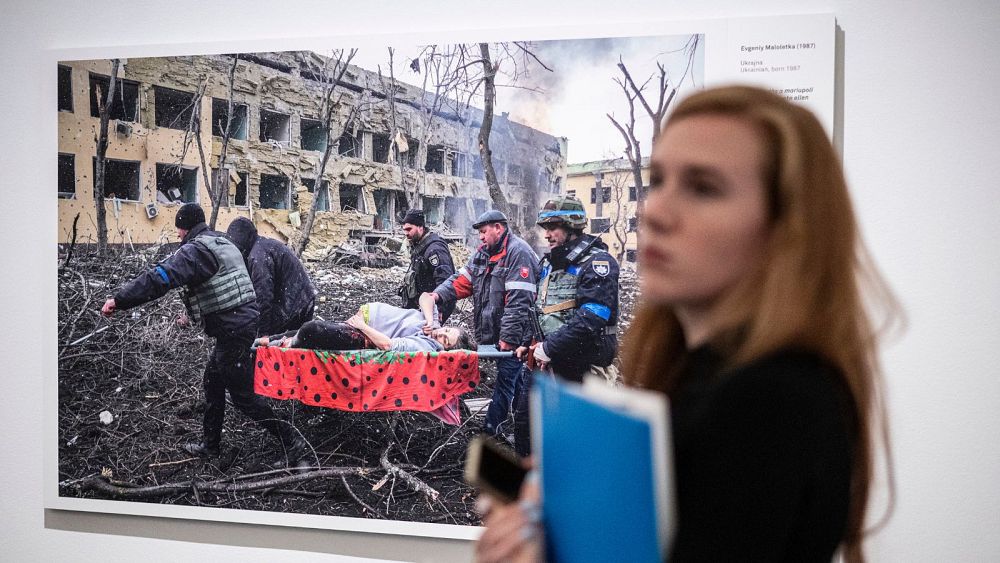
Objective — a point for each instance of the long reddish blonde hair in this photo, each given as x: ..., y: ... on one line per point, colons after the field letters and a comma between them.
x: 808, y: 290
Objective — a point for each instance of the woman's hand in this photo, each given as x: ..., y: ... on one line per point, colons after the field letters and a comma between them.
x: 513, y: 531
x: 357, y: 321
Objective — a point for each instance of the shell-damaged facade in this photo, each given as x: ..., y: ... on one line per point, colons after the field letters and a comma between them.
x: 276, y: 143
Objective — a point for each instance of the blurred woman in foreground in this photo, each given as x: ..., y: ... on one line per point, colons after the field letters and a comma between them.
x: 752, y: 321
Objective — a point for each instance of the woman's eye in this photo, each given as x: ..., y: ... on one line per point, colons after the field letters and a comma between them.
x: 704, y: 189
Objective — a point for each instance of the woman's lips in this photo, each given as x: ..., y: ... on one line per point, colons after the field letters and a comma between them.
x: 653, y: 256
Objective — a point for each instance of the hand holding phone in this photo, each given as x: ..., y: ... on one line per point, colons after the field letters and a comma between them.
x: 494, y: 469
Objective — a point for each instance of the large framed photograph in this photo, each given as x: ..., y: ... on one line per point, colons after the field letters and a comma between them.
x: 324, y: 145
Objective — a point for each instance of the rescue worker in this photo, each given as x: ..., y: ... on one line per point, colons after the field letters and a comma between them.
x: 500, y: 277
x: 577, y: 306
x: 219, y: 296
x: 285, y: 297
x: 430, y: 263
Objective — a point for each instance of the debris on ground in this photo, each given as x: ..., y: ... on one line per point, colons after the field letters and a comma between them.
x: 130, y: 396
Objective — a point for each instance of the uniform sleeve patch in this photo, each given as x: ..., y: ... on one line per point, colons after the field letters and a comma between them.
x: 601, y: 267
x: 435, y: 260
x: 524, y: 272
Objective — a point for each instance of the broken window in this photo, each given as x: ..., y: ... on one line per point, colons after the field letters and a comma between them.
x: 435, y: 159
x: 410, y: 156
x: 456, y: 213
x: 600, y: 225
x: 389, y: 205
x: 67, y: 175
x: 173, y: 107
x: 350, y: 197
x: 349, y: 145
x: 433, y: 209
x: 515, y: 175
x: 477, y: 167
x: 458, y: 164
x: 121, y: 178
x: 544, y: 180
x: 242, y: 188
x: 314, y: 137
x: 274, y: 126
x: 380, y: 148
x: 235, y: 185
x: 479, y: 206
x: 274, y: 192
x: 633, y: 224
x: 606, y: 193
x: 632, y: 193
x: 65, y: 88
x: 630, y: 255
x: 176, y: 183
x: 324, y: 192
x: 238, y: 127
x: 125, y: 106
x: 530, y: 178
x: 571, y: 193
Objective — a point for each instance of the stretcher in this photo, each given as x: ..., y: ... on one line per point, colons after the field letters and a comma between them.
x: 371, y: 380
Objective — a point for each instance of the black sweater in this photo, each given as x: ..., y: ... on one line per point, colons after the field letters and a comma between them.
x: 763, y: 459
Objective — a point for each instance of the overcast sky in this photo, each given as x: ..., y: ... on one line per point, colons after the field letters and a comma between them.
x: 580, y: 90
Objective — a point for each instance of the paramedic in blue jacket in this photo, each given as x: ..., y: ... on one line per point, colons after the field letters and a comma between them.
x: 577, y: 305
x: 500, y: 277
x: 219, y: 297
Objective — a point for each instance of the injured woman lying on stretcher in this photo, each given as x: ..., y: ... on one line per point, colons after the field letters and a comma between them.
x: 377, y: 326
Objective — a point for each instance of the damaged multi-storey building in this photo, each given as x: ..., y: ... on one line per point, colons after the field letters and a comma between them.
x: 276, y: 141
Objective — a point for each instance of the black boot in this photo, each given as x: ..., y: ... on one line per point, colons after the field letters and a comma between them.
x: 201, y: 449
x: 299, y: 455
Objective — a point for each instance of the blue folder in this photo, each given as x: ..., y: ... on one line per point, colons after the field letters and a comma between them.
x: 606, y: 495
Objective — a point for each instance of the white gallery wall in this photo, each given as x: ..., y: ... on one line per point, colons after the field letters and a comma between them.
x: 921, y: 144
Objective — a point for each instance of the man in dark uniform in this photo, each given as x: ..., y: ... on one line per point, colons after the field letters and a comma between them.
x: 219, y: 297
x: 430, y: 263
x: 577, y: 306
x: 285, y: 296
x: 500, y: 277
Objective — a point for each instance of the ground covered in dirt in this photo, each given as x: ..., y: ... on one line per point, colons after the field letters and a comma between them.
x: 130, y: 396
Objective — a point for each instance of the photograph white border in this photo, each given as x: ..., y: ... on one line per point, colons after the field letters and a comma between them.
x: 723, y: 38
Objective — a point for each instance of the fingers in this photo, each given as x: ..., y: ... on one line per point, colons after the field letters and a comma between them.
x: 511, y: 533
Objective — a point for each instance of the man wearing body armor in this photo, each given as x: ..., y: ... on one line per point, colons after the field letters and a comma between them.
x: 577, y: 306
x: 430, y: 263
x: 219, y: 297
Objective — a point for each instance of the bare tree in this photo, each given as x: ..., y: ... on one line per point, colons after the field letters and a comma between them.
x: 104, y: 111
x: 219, y: 190
x: 665, y: 92
x: 331, y: 78
x: 440, y: 80
x: 618, y: 183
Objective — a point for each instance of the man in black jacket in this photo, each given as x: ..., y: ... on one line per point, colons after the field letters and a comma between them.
x: 285, y: 296
x: 219, y: 297
x: 430, y: 263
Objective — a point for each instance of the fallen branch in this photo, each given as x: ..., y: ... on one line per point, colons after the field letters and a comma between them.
x: 102, y: 485
x: 414, y: 483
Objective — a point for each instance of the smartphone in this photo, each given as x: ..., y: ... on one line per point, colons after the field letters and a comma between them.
x: 492, y: 468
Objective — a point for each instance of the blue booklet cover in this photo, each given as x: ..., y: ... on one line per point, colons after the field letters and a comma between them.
x: 606, y: 472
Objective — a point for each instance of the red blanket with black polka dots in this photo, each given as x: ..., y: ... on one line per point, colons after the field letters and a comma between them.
x: 367, y: 380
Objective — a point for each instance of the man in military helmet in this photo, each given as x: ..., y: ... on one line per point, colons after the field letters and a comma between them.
x: 577, y: 305
x: 500, y: 277
x: 430, y: 263
x: 219, y: 297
